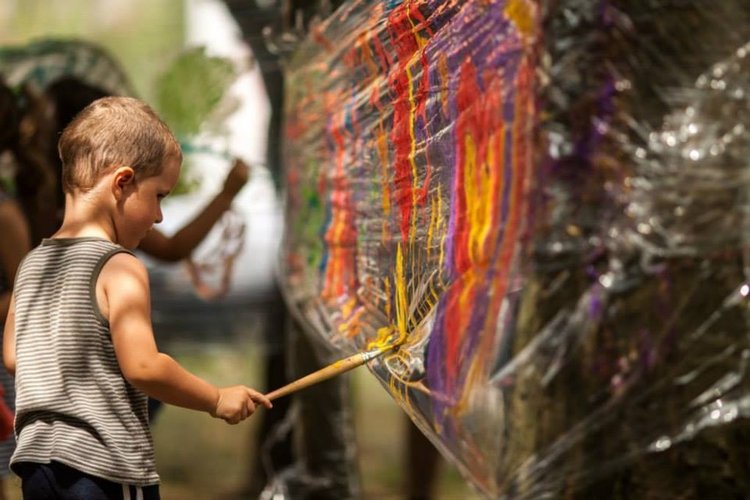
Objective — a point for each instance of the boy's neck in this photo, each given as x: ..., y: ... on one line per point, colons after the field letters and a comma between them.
x: 81, y: 231
x: 85, y: 216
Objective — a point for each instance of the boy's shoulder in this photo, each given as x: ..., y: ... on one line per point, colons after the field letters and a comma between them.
x: 123, y: 265
x: 64, y: 248
x: 124, y: 281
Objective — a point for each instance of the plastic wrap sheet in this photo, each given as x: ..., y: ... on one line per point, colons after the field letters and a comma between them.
x: 545, y: 206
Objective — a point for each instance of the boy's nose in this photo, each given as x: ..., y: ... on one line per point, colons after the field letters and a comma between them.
x: 159, y: 216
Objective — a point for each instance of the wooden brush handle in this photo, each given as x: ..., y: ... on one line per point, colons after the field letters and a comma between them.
x: 335, y: 368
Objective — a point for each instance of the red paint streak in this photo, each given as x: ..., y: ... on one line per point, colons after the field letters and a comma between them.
x: 421, y: 97
x: 496, y: 127
x: 486, y: 127
x: 341, y: 235
x: 466, y: 126
x: 457, y: 316
x: 399, y: 27
x: 524, y: 117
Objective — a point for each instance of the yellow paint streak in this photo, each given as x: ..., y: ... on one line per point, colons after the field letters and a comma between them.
x: 444, y: 78
x: 382, y: 339
x: 522, y: 15
x: 420, y: 41
x: 348, y: 306
x: 482, y: 210
x: 431, y: 227
x: 472, y: 194
x: 441, y: 228
x: 382, y: 147
x: 387, y: 290
x: 367, y: 55
x: 350, y: 327
x: 493, y: 186
x: 465, y: 304
x: 401, y: 297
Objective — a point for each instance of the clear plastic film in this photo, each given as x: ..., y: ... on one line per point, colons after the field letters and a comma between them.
x: 542, y: 207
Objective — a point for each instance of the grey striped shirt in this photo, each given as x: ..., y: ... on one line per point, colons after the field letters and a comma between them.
x: 73, y: 405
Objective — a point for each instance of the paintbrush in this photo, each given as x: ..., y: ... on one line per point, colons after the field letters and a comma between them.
x: 332, y: 370
x: 426, y: 296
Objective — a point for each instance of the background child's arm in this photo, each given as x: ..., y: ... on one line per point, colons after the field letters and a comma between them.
x: 183, y: 242
x: 124, y: 298
x: 14, y: 245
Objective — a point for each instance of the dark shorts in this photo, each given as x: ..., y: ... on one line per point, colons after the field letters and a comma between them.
x: 57, y: 481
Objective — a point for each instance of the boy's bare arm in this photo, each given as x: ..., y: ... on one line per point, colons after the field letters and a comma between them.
x: 9, y: 339
x: 125, y: 300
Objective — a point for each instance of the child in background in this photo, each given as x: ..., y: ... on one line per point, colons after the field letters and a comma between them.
x: 79, y: 336
x: 14, y: 244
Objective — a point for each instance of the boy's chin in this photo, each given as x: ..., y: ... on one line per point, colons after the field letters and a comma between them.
x: 132, y: 244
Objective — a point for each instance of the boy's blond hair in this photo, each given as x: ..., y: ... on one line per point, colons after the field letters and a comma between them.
x: 112, y: 132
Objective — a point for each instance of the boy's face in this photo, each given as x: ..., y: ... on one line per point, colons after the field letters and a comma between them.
x: 142, y: 206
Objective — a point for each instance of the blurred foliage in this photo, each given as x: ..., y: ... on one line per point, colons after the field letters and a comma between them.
x: 188, y: 94
x: 141, y: 34
x: 188, y: 181
x: 191, y: 89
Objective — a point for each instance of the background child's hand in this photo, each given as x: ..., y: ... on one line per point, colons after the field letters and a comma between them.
x: 236, y: 178
x: 237, y: 403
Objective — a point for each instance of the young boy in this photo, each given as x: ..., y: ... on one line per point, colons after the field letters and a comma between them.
x: 78, y: 334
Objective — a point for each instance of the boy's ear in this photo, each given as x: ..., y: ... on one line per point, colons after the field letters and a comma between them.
x: 122, y: 177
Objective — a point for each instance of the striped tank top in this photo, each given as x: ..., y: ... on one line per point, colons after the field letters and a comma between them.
x: 72, y: 404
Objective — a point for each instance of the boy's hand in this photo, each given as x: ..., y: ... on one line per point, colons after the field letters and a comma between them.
x: 237, y: 403
x: 236, y: 178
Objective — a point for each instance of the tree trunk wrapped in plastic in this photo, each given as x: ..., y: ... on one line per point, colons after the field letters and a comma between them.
x: 543, y: 207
